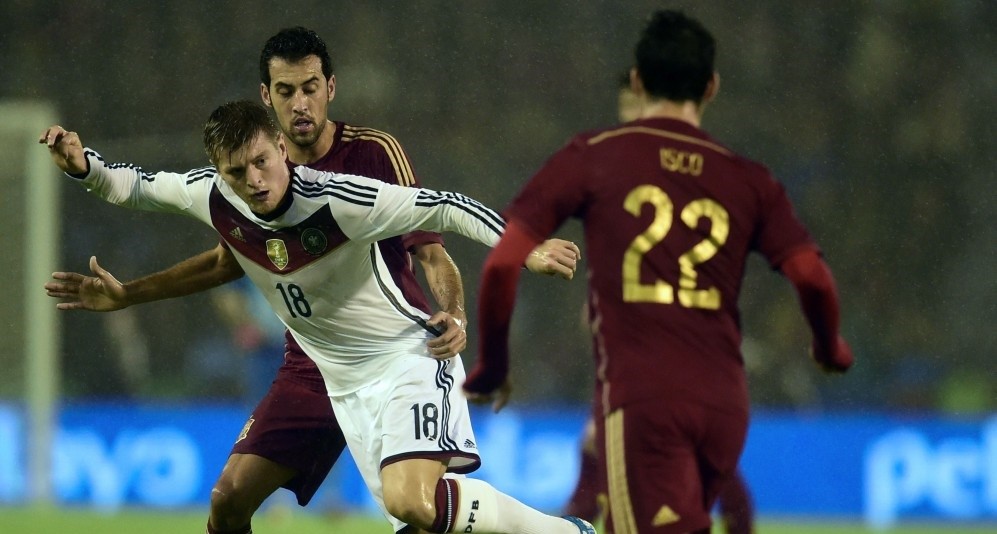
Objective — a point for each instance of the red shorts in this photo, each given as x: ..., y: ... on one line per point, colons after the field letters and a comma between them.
x: 665, y: 462
x: 293, y: 425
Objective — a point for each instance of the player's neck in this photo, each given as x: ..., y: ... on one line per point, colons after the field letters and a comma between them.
x: 687, y: 111
x: 304, y: 155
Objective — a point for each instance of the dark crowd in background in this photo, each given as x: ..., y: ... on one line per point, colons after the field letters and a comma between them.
x: 877, y: 116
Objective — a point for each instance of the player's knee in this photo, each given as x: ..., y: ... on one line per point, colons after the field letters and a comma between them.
x: 230, y: 506
x: 410, y: 507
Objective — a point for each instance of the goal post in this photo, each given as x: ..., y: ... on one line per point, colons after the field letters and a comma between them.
x: 31, y: 343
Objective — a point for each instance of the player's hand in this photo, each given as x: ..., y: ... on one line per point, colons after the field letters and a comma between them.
x: 452, y: 340
x: 834, y: 359
x: 555, y: 257
x: 498, y: 398
x: 94, y: 293
x: 65, y: 148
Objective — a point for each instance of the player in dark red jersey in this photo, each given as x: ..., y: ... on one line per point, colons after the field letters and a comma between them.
x: 292, y: 438
x: 589, y: 495
x: 670, y: 216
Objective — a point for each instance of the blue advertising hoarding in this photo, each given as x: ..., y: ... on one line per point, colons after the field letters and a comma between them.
x: 879, y: 468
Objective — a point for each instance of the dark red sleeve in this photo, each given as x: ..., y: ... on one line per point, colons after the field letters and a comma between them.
x: 496, y: 299
x: 780, y: 233
x: 819, y: 299
x: 555, y: 193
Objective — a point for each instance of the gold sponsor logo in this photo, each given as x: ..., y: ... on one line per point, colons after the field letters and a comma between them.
x: 277, y: 253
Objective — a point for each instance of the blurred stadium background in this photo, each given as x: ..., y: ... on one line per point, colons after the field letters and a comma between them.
x: 878, y: 117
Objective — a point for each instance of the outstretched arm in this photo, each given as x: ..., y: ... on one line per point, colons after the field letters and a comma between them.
x: 819, y: 299
x: 103, y: 292
x: 554, y: 257
x: 404, y: 209
x: 488, y: 381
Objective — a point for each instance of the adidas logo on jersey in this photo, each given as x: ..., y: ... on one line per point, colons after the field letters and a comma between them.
x: 237, y: 234
x: 469, y: 444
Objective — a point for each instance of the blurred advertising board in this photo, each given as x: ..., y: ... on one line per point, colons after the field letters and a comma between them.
x: 881, y: 468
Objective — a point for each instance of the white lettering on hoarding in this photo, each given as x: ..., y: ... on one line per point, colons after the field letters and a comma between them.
x: 957, y: 478
x: 156, y: 467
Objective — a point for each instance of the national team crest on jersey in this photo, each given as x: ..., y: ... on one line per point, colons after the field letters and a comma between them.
x: 277, y: 253
x: 314, y: 241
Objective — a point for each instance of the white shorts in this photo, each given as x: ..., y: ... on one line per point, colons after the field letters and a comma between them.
x: 416, y: 410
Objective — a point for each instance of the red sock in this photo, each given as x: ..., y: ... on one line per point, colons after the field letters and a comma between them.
x: 447, y: 498
x: 735, y: 506
x: 583, y: 502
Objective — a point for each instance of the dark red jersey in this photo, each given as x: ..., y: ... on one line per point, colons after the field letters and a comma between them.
x: 375, y: 154
x: 670, y: 216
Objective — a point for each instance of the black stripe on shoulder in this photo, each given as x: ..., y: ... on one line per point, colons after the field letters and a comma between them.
x: 341, y: 194
x: 489, y: 217
x: 197, y: 175
x: 334, y: 183
x: 344, y: 189
x: 143, y: 175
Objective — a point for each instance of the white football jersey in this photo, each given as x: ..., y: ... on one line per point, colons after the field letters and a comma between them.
x: 317, y: 263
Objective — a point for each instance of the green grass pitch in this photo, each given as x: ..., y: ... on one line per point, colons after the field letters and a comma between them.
x: 286, y: 521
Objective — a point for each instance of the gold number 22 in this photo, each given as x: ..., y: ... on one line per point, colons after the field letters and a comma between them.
x: 660, y: 291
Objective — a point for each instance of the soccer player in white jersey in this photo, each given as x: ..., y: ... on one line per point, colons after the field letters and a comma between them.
x: 292, y: 439
x: 307, y: 240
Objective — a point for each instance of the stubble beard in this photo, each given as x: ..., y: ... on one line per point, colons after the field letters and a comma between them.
x: 310, y: 139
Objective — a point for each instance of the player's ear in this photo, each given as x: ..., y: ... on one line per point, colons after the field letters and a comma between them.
x: 712, y: 87
x: 282, y: 145
x: 265, y: 95
x: 332, y: 87
x: 636, y: 84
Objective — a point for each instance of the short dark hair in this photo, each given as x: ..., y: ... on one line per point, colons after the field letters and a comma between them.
x: 234, y: 125
x: 294, y: 44
x: 675, y: 56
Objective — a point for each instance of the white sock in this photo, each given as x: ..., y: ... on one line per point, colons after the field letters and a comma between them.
x: 483, y: 509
